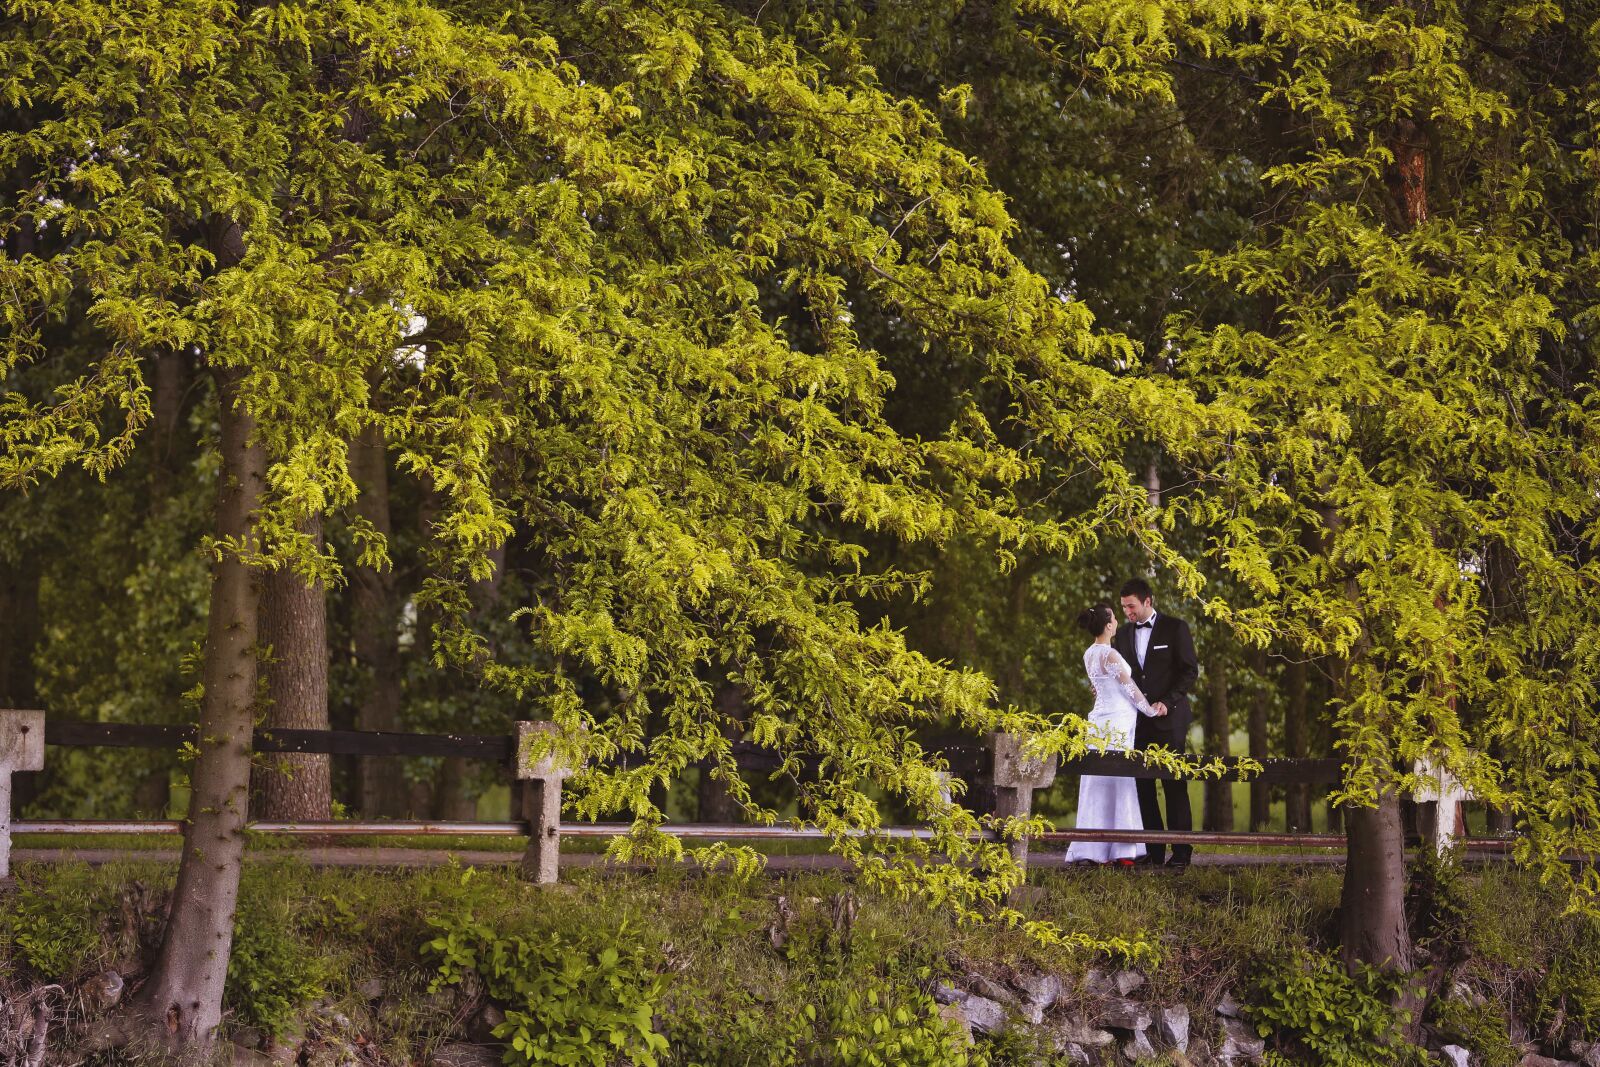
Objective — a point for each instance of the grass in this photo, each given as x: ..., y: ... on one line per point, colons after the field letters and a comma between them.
x: 712, y: 937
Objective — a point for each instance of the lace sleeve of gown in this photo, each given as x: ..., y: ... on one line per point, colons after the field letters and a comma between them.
x: 1117, y: 669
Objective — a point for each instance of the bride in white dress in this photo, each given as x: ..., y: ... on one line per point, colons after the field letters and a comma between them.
x: 1106, y: 803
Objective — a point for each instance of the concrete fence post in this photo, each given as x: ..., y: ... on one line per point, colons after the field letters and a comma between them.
x: 1437, y: 786
x: 541, y: 803
x: 1015, y: 778
x: 21, y: 749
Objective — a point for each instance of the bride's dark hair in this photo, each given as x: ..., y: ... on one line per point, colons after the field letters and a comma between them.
x: 1095, y: 618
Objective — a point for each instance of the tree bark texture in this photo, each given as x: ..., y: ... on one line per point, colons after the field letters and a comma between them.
x: 184, y: 994
x: 375, y: 632
x: 1372, y: 907
x: 1219, y: 794
x: 294, y: 787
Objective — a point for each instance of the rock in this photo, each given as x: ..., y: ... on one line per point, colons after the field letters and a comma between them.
x: 1127, y: 981
x: 439, y: 1002
x: 1588, y: 1052
x: 1078, y: 1032
x: 370, y: 990
x: 1172, y: 1027
x: 947, y: 994
x: 952, y: 1013
x: 985, y: 1016
x: 461, y: 1054
x: 102, y: 992
x: 1138, y: 1048
x: 994, y: 991
x: 284, y: 1048
x: 1533, y: 1059
x: 1230, y: 1008
x: 1077, y: 1055
x: 481, y: 1028
x: 1456, y: 1056
x: 248, y: 1037
x: 1123, y: 1014
x: 1040, y: 989
x: 1240, y: 1042
x: 1096, y: 983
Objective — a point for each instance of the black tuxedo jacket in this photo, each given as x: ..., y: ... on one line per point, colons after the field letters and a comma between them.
x: 1170, y: 670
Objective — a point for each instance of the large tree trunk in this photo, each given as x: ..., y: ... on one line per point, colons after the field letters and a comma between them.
x: 376, y: 633
x: 1372, y: 922
x: 184, y: 994
x: 1260, y: 792
x: 294, y: 787
x: 1296, y: 740
x: 1219, y: 793
x: 1372, y: 911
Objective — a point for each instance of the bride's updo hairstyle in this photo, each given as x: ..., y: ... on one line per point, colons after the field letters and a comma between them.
x: 1095, y: 619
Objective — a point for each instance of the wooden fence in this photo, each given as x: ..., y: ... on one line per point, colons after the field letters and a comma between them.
x: 994, y: 764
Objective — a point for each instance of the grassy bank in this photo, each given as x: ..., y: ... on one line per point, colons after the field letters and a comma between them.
x: 683, y: 969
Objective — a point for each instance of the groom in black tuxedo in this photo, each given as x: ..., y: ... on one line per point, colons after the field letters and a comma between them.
x: 1160, y: 650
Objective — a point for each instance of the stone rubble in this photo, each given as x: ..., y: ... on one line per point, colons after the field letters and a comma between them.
x: 1123, y: 1014
x: 1172, y: 1026
x: 1240, y: 1042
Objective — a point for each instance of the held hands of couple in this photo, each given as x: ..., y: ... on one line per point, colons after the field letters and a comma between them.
x: 1159, y: 708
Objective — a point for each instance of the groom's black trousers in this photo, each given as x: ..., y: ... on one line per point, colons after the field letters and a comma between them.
x: 1178, y: 815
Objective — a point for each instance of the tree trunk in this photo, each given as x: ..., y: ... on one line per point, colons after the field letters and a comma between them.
x: 375, y: 634
x: 183, y: 997
x: 714, y: 804
x: 455, y: 799
x: 294, y: 786
x: 1219, y: 794
x: 1372, y: 907
x: 1372, y: 921
x: 1260, y: 792
x: 1297, y: 795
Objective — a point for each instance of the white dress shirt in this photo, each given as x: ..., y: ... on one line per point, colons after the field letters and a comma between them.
x: 1141, y: 638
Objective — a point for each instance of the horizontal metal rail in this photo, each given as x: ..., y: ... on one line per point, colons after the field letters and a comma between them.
x: 729, y: 832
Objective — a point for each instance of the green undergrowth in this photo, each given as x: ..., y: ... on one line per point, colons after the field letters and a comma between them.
x: 676, y: 968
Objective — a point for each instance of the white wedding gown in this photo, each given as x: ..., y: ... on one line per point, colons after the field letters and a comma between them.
x: 1106, y: 803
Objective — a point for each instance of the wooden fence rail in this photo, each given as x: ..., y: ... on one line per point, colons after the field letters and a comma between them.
x: 996, y: 763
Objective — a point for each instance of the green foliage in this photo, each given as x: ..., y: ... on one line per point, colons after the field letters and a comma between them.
x: 52, y: 920
x: 274, y: 969
x: 1311, y: 1007
x: 1479, y: 1026
x: 845, y: 1022
x: 589, y: 1000
x: 1569, y: 993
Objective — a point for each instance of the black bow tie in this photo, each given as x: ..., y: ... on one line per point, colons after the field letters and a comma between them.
x: 1143, y: 625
